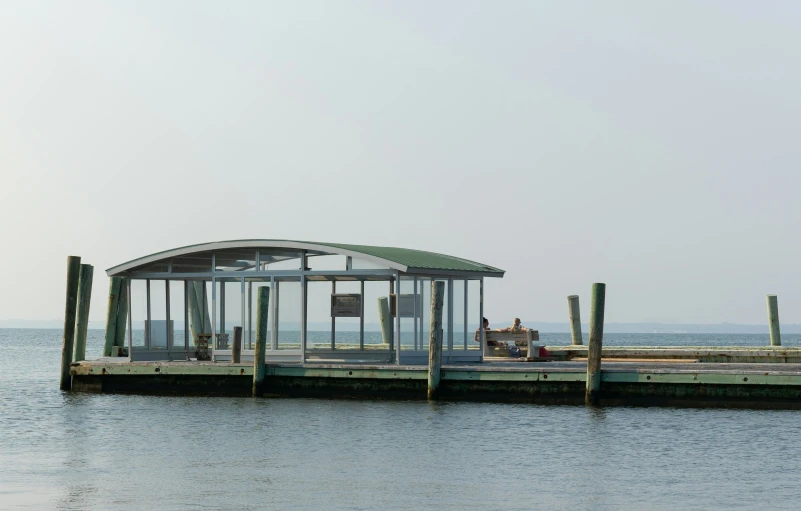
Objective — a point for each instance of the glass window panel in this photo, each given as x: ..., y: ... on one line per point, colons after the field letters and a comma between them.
x: 287, y: 297
x: 276, y: 259
x: 235, y: 260
x: 445, y: 329
x: 406, y: 303
x: 372, y: 325
x: 346, y: 331
x: 318, y: 315
x: 326, y: 263
x: 157, y: 267
x: 177, y: 304
x: 229, y: 311
x: 424, y: 285
x: 138, y: 312
x: 459, y: 337
x: 199, y: 306
x: 199, y: 262
x: 252, y: 286
x: 473, y: 311
x: 157, y: 327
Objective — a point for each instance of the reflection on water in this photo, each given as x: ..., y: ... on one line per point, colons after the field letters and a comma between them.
x: 81, y: 451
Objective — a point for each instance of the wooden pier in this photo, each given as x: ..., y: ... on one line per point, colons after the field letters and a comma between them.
x: 432, y: 367
x: 765, y: 385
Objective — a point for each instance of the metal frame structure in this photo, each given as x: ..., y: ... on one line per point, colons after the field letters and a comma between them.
x: 258, y: 266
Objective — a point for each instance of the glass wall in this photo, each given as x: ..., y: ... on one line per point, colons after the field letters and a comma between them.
x: 277, y: 259
x: 179, y: 338
x: 459, y: 315
x: 447, y: 340
x: 199, y: 302
x: 156, y: 338
x: 243, y: 259
x: 228, y: 311
x: 192, y: 263
x: 373, y: 290
x: 138, y: 312
x: 346, y: 330
x: 326, y: 263
x: 287, y: 301
x: 407, y: 302
x: 318, y: 321
x: 252, y: 286
x: 473, y: 312
x: 424, y: 287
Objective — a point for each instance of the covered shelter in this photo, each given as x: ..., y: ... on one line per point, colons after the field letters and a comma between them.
x: 328, y: 302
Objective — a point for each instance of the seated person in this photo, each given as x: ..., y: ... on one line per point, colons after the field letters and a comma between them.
x: 516, y: 327
x: 488, y: 329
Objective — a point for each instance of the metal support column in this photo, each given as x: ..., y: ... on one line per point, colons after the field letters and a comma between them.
x: 361, y: 319
x: 303, y: 311
x: 149, y: 328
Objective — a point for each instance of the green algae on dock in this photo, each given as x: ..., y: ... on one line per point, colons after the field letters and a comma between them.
x: 623, y: 383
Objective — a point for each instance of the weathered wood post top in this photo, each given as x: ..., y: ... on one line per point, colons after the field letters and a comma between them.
x: 320, y: 295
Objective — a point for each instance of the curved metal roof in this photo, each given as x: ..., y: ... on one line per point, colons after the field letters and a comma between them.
x: 402, y: 259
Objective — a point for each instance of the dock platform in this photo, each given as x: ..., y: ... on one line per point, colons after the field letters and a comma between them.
x: 648, y: 383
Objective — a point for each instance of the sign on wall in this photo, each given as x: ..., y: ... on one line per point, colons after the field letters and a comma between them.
x: 405, y: 305
x: 346, y: 305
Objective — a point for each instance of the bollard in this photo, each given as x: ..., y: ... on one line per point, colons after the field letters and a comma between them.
x: 435, y: 339
x: 592, y: 395
x: 236, y: 348
x: 82, y: 314
x: 122, y: 313
x: 385, y: 319
x: 73, y: 275
x: 773, y: 320
x: 575, y: 319
x: 262, y: 310
x: 196, y: 309
x: 114, y: 287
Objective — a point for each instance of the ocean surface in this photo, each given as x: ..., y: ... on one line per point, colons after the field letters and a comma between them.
x: 106, y: 452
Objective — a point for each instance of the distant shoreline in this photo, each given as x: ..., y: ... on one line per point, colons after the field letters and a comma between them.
x: 544, y: 327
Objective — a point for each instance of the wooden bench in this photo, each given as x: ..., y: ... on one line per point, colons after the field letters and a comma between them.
x: 527, y: 340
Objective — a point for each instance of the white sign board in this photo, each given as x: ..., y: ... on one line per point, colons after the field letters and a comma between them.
x: 405, y: 306
x: 346, y: 305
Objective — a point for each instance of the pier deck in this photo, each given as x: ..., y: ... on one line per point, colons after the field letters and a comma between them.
x: 758, y: 385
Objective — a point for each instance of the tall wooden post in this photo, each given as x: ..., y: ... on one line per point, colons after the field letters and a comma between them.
x: 773, y: 320
x: 82, y: 319
x: 385, y: 318
x: 435, y: 339
x: 575, y: 319
x: 73, y: 275
x: 198, y: 310
x: 236, y: 347
x: 593, y: 393
x: 122, y: 312
x: 262, y: 310
x: 114, y: 286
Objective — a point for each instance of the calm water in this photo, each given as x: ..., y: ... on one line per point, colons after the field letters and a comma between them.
x: 74, y: 451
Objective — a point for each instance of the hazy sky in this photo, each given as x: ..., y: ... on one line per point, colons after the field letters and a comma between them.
x: 653, y: 146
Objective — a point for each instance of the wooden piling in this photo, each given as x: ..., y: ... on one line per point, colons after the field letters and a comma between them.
x: 114, y: 286
x: 385, y: 319
x: 575, y: 319
x: 435, y: 339
x: 773, y: 320
x: 593, y: 391
x: 236, y: 347
x: 122, y: 313
x: 73, y: 275
x: 82, y: 314
x: 262, y: 311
